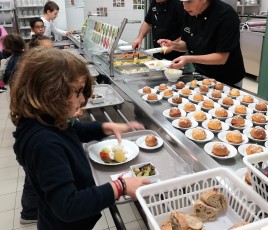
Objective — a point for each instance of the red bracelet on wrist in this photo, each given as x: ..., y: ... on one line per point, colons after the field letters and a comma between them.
x: 119, y: 188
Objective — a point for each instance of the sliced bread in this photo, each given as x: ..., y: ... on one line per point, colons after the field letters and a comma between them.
x: 166, y: 225
x: 214, y: 199
x: 204, y: 211
x: 194, y: 222
x: 242, y: 223
x: 178, y: 221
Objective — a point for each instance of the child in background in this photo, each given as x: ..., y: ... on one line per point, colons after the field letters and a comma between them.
x: 51, y: 10
x: 40, y: 40
x: 37, y: 26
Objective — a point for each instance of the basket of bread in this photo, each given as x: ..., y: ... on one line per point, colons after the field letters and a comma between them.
x: 211, y: 199
x: 257, y: 165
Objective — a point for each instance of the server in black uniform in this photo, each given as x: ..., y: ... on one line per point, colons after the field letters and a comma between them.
x: 164, y: 17
x: 211, y: 35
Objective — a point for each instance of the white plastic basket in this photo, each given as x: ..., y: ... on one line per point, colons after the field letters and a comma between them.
x: 178, y: 194
x: 258, y: 180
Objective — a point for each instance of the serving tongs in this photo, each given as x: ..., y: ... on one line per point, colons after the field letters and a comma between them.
x: 136, y: 56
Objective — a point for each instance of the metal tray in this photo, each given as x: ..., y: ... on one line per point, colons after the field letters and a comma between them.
x: 111, y: 97
x: 162, y: 158
x: 122, y: 69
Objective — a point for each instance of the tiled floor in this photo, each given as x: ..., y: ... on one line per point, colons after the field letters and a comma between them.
x: 12, y: 178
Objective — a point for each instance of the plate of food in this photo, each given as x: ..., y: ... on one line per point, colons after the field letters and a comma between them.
x: 220, y: 113
x: 238, y: 122
x: 199, y: 116
x: 177, y: 100
x: 126, y: 48
x: 249, y: 149
x: 185, y: 92
x: 174, y: 113
x: 234, y: 93
x: 203, y: 90
x: 146, y: 90
x: 257, y: 119
x: 152, y: 97
x: 162, y: 87
x: 189, y: 107
x: 208, y: 105
x: 233, y: 137
x: 228, y: 102
x: 199, y: 135
x: 256, y: 134
x: 184, y: 123
x: 243, y: 174
x: 260, y: 107
x: 166, y: 94
x: 206, y: 82
x: 241, y: 110
x: 109, y: 152
x: 158, y: 64
x: 196, y: 98
x: 149, y: 142
x: 220, y: 150
x: 215, y: 125
x: 216, y: 95
x: 247, y: 99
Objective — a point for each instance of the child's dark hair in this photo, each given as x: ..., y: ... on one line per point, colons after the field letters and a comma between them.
x: 34, y: 20
x: 13, y: 43
x: 34, y: 42
x: 51, y: 6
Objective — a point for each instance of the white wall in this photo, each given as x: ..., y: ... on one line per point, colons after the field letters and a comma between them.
x: 116, y: 15
x: 61, y: 22
x: 264, y: 5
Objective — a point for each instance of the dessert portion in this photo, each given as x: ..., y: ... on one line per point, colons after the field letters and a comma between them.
x: 146, y: 90
x: 240, y: 109
x: 247, y: 99
x: 115, y: 154
x: 254, y: 148
x: 206, y: 82
x: 199, y: 134
x: 247, y: 178
x: 180, y: 85
x: 261, y: 106
x: 198, y: 97
x: 238, y: 121
x: 234, y: 92
x: 214, y: 124
x: 234, y: 137
x: 167, y: 93
x: 216, y: 93
x: 151, y: 140
x: 220, y: 150
x: 184, y: 122
x: 193, y: 83
x: 228, y: 101
x: 189, y: 107
x: 221, y: 112
x: 258, y: 118
x: 174, y: 112
x: 258, y: 133
x: 208, y: 104
x: 200, y: 115
x: 186, y: 91
x: 152, y: 97
x: 203, y: 89
x: 177, y: 99
x: 218, y: 86
x: 162, y: 87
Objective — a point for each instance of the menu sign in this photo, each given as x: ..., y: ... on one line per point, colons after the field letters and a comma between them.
x: 104, y: 35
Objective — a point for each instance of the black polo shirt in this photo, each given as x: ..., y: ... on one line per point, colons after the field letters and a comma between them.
x: 166, y: 19
x: 216, y: 30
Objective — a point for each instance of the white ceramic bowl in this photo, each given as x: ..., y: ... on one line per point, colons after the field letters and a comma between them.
x: 173, y: 74
x: 152, y: 178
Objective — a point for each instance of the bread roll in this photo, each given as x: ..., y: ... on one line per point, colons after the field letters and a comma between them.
x: 240, y: 109
x: 193, y: 83
x: 234, y: 136
x: 146, y: 90
x: 198, y: 97
x: 194, y: 222
x: 247, y: 99
x: 221, y: 112
x: 203, y: 89
x: 204, y: 211
x: 166, y: 225
x: 200, y: 115
x: 258, y: 133
x: 261, y: 106
x: 218, y: 86
x: 174, y: 112
x: 247, y: 178
x: 214, y: 124
x: 150, y: 140
x: 208, y: 103
x: 213, y: 80
x: 167, y: 93
x: 199, y: 134
x: 162, y: 87
x: 189, y: 107
x: 178, y: 221
x: 258, y: 118
x: 180, y: 85
x: 152, y: 96
x: 184, y: 122
x: 206, y: 82
x: 177, y: 99
x: 254, y: 148
x: 238, y: 121
x: 228, y: 101
x: 215, y: 199
x: 220, y: 150
x: 216, y: 93
x: 242, y: 223
x: 186, y: 91
x: 234, y: 92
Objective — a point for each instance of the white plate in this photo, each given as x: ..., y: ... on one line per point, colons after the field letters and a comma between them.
x: 180, y: 106
x: 247, y: 133
x: 222, y: 137
x: 248, y: 124
x: 191, y: 98
x: 209, y: 94
x: 227, y: 106
x: 204, y: 93
x: 216, y: 105
x: 225, y: 88
x: 166, y: 114
x: 232, y: 108
x: 156, y: 88
x: 126, y: 48
x: 154, y: 50
x: 183, y: 101
x: 185, y: 95
x: 255, y: 100
x: 189, y: 85
x: 166, y: 97
x: 158, y: 64
x: 241, y: 174
x: 141, y: 143
x: 200, y: 83
x: 252, y: 106
x: 266, y: 144
x: 249, y: 117
x: 212, y: 113
x: 242, y: 149
x: 266, y: 127
x: 131, y: 148
x: 191, y: 116
x: 209, y: 137
x: 141, y: 91
x: 232, y: 150
x: 159, y: 98
x: 193, y: 125
x: 234, y: 97
x: 224, y: 126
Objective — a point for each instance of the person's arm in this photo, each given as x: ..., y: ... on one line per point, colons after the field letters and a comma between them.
x: 145, y: 28
x: 55, y: 30
x: 178, y: 45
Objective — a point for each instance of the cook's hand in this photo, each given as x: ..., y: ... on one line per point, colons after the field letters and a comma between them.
x: 136, y: 44
x: 133, y: 184
x: 179, y: 62
x: 69, y: 32
x: 167, y: 43
x: 118, y: 128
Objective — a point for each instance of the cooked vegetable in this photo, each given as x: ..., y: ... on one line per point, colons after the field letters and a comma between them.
x: 145, y: 170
